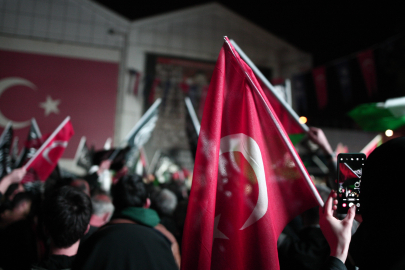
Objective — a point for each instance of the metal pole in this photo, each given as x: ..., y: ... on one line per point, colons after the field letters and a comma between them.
x: 268, y: 85
x: 193, y: 115
x: 283, y: 135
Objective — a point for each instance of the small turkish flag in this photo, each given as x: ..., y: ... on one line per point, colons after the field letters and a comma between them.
x: 347, y: 173
x: 46, y: 158
x: 248, y: 181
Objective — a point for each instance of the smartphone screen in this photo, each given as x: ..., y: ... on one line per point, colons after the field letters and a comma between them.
x: 350, y: 170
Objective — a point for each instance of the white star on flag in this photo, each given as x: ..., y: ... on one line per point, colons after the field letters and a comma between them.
x: 50, y: 105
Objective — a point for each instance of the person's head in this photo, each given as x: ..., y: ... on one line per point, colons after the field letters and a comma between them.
x: 18, y: 208
x: 179, y: 189
x: 164, y: 202
x: 102, y: 209
x: 129, y: 191
x: 52, y: 184
x: 383, y: 182
x: 82, y: 185
x: 378, y: 242
x: 66, y: 215
x: 13, y: 190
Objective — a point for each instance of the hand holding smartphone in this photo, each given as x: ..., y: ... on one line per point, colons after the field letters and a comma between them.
x: 350, y: 169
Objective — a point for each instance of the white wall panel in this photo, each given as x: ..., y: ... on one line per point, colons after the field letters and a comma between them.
x: 76, y: 21
x: 24, y: 5
x: 59, y: 49
x: 10, y: 5
x: 56, y: 27
x: 9, y: 23
x: 57, y: 10
x: 42, y: 8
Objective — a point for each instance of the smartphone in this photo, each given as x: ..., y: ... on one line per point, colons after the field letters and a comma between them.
x: 350, y: 169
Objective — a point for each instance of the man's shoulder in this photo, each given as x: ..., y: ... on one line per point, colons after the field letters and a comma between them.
x: 61, y: 262
x: 125, y: 235
x: 124, y: 244
x: 126, y: 228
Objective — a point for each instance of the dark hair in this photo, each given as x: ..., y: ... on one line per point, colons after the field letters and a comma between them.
x: 129, y: 191
x: 52, y: 184
x: 66, y: 214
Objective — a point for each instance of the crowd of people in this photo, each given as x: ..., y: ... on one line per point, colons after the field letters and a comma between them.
x: 73, y: 223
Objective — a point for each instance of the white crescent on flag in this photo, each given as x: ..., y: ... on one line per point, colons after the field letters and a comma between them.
x: 54, y: 144
x: 4, y: 85
x: 251, y: 151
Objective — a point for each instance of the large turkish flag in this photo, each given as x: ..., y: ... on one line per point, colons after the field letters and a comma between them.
x: 50, y: 88
x: 248, y: 181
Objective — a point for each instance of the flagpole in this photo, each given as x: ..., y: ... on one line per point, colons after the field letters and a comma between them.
x: 115, y: 153
x: 154, y: 162
x: 320, y: 164
x: 269, y: 85
x: 79, y: 148
x: 142, y: 152
x: 145, y: 116
x: 35, y: 125
x: 371, y: 144
x: 193, y: 115
x: 5, y: 131
x: 281, y: 130
x: 137, y: 125
x: 351, y: 170
x: 43, y: 146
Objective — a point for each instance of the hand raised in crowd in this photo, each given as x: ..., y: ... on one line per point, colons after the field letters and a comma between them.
x: 337, y: 232
x: 17, y: 175
x: 14, y: 177
x: 317, y: 136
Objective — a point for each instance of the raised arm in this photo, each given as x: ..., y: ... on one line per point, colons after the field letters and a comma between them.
x: 14, y: 177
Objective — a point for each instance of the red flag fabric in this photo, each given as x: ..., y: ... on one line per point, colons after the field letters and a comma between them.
x: 319, y: 75
x: 248, y: 181
x: 366, y: 61
x: 46, y: 158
